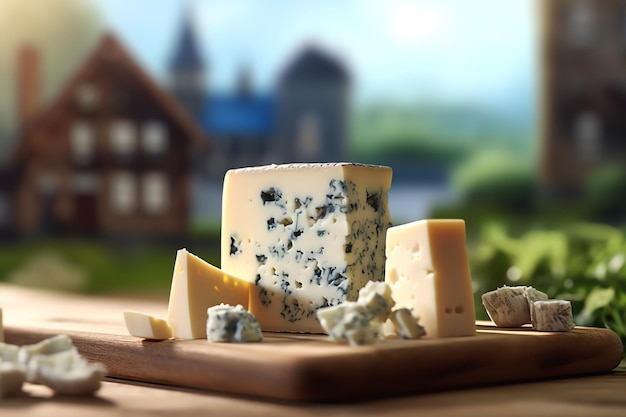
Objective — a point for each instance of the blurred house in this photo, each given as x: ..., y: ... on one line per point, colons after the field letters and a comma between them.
x: 111, y: 155
x: 305, y: 120
x: 583, y: 89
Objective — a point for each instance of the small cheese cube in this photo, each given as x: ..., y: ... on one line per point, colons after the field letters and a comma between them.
x: 510, y: 306
x: 148, y: 327
x: 349, y: 321
x: 533, y: 295
x: 226, y: 323
x: 552, y: 316
x: 307, y: 236
x: 196, y: 286
x: 428, y: 272
x: 405, y: 325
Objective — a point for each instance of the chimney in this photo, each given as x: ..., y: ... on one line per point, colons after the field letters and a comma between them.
x: 28, y: 83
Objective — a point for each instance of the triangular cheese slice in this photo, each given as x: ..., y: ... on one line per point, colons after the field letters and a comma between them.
x: 196, y: 286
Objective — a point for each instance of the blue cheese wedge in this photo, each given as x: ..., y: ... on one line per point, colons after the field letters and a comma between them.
x: 226, y: 323
x: 306, y: 235
x: 552, y: 316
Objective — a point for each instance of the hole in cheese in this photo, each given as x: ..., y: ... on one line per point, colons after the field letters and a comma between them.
x: 458, y: 309
x: 393, y: 275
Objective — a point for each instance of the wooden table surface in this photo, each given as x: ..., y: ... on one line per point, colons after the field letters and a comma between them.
x: 596, y: 396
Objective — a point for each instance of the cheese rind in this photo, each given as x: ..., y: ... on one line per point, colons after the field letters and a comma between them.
x: 428, y: 272
x: 552, y: 316
x: 196, y: 286
x: 148, y: 327
x: 307, y: 235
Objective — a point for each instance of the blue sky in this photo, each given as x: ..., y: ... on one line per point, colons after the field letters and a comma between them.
x: 477, y: 51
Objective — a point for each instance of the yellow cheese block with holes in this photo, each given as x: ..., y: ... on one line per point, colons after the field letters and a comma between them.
x: 196, y: 286
x: 428, y: 271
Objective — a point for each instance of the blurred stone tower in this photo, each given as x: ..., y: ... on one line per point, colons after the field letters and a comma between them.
x: 583, y: 89
x: 187, y: 69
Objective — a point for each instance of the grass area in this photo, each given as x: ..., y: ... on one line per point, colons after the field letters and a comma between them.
x: 94, y: 267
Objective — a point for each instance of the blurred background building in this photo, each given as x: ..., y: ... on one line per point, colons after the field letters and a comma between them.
x: 583, y: 91
x: 464, y: 120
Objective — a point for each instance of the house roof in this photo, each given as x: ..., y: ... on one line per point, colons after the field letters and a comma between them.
x: 312, y: 64
x: 187, y: 52
x: 110, y: 48
x: 247, y: 117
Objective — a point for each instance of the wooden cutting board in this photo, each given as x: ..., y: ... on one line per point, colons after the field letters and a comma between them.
x: 306, y: 367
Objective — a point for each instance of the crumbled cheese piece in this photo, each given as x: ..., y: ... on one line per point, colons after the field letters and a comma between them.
x: 405, y: 325
x: 376, y: 297
x: 552, y: 316
x: 349, y: 321
x: 66, y: 372
x: 8, y: 353
x: 54, y: 344
x: 12, y: 376
x: 226, y: 323
x: 148, y: 327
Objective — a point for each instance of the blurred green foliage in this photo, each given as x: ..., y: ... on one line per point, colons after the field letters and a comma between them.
x: 582, y: 262
x: 496, y: 178
x: 96, y: 267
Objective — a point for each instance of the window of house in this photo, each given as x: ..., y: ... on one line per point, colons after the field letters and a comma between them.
x: 588, y: 135
x: 82, y: 141
x: 123, y: 192
x: 581, y: 23
x: 154, y: 137
x: 87, y: 96
x: 308, y: 140
x: 123, y: 138
x: 155, y: 193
